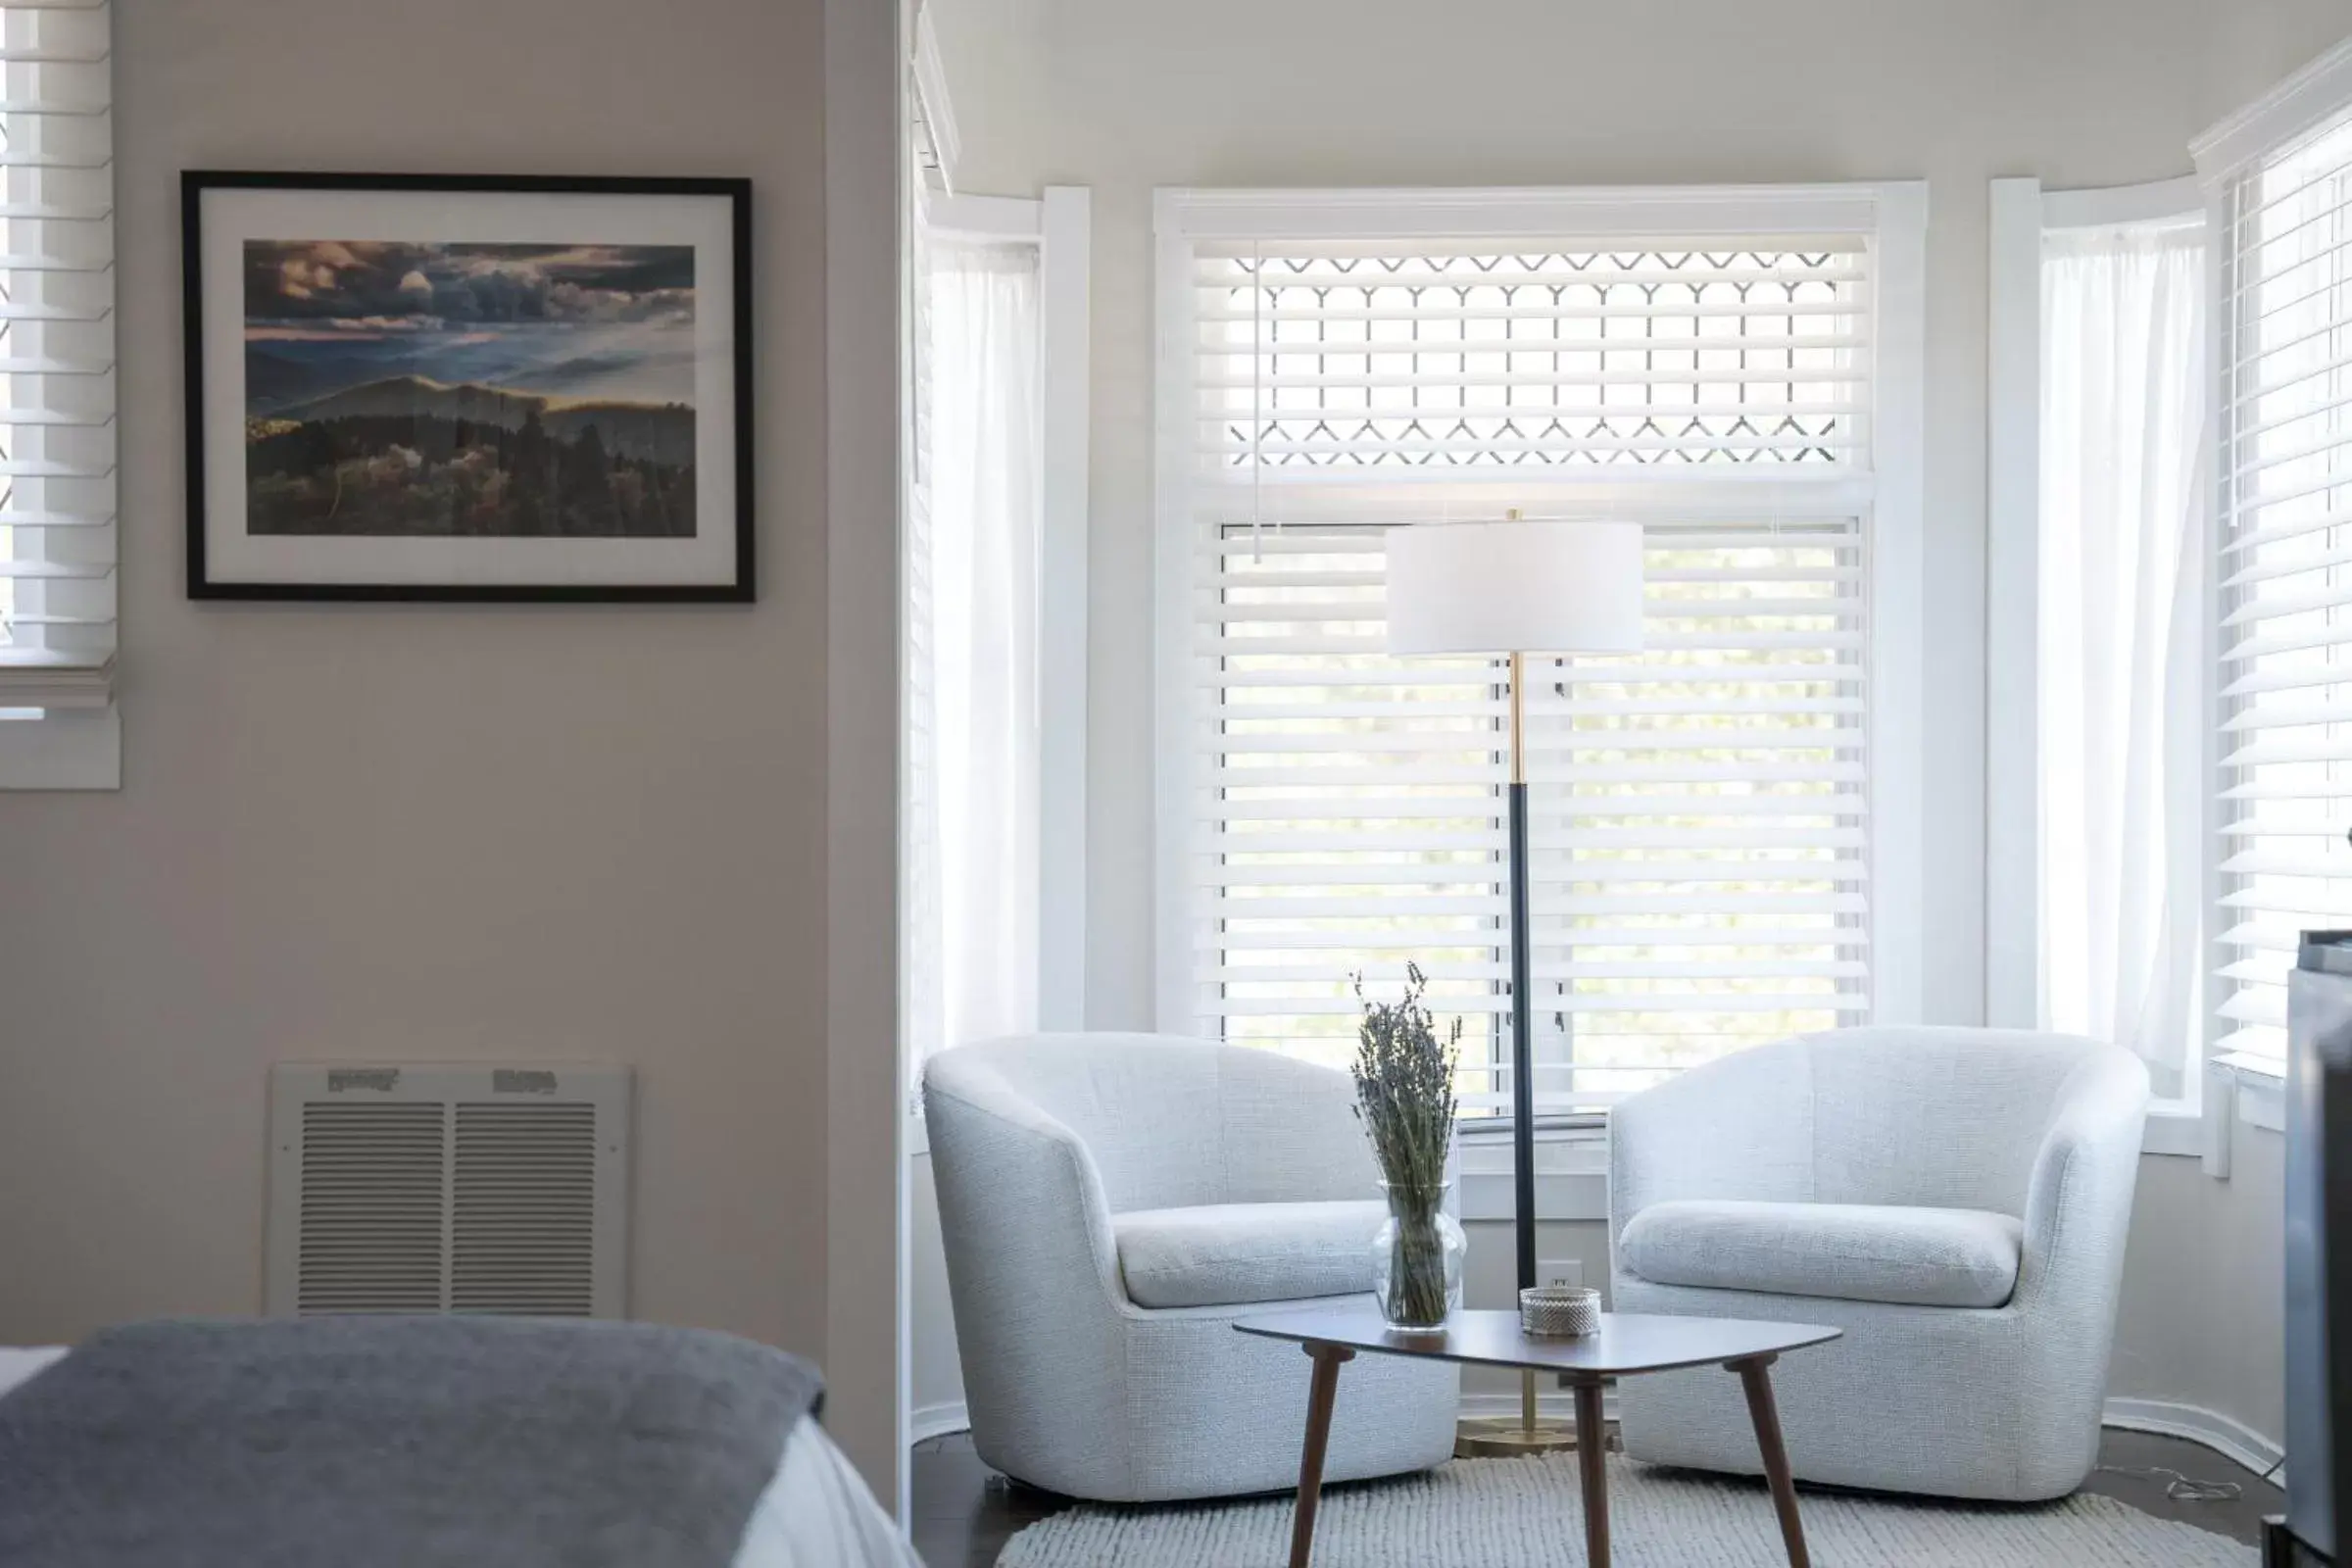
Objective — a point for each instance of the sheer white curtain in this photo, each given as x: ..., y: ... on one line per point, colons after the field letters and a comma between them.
x: 2124, y: 398
x: 972, y: 699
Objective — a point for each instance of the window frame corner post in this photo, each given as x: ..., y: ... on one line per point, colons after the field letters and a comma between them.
x: 1899, y: 583
x: 1172, y: 589
x: 1065, y: 293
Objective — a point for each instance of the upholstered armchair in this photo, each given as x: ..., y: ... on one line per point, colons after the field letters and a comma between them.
x: 1955, y: 1199
x: 1110, y: 1205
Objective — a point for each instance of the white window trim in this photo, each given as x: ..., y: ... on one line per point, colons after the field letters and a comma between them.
x: 1892, y: 213
x: 1571, y: 1173
x: 2022, y: 212
x: 2240, y: 1089
x: 2312, y: 94
x: 1060, y: 224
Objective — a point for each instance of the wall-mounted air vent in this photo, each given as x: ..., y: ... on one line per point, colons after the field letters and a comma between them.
x: 444, y: 1189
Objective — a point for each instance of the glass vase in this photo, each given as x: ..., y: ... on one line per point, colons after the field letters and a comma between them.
x: 1417, y: 1257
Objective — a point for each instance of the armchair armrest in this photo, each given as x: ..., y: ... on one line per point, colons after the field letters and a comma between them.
x: 2078, y: 1197
x: 1021, y: 1205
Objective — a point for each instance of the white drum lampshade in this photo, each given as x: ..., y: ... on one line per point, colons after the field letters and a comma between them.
x: 1515, y: 588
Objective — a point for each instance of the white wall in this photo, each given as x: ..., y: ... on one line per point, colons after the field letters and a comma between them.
x: 2204, y: 1287
x: 1124, y: 95
x: 466, y: 833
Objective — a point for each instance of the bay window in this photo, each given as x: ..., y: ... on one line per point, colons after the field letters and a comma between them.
x: 2172, y: 599
x: 1725, y: 825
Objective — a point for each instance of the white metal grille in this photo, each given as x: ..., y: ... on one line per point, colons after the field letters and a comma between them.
x: 2284, y: 464
x: 1364, y: 357
x: 56, y: 353
x: 1698, y: 812
x: 445, y: 1189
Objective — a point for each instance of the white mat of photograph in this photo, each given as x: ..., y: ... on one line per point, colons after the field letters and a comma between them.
x: 1525, y: 1513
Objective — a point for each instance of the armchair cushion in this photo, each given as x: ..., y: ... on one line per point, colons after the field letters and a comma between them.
x: 1222, y: 1254
x: 1851, y: 1252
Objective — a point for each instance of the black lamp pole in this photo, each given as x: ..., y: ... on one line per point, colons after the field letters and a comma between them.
x: 1523, y: 1036
x: 1523, y: 996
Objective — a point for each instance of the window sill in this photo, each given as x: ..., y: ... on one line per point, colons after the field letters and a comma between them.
x: 2257, y: 1085
x: 1572, y: 1162
x: 1572, y: 1172
x: 2240, y: 1089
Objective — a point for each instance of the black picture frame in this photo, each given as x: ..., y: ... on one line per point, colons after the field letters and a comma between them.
x: 203, y: 583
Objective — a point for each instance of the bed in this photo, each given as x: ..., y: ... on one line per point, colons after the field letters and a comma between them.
x: 814, y: 1510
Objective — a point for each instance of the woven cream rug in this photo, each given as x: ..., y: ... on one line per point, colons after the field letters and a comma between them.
x: 1525, y: 1513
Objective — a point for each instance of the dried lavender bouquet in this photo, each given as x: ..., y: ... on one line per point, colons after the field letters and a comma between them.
x: 1405, y: 1095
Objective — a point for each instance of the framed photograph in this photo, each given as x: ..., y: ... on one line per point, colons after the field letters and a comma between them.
x: 468, y: 387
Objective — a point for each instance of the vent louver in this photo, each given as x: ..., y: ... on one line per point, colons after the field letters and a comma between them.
x: 373, y: 1179
x: 522, y: 1224
x: 448, y: 1189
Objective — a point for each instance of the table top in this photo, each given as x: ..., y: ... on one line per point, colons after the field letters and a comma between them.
x: 1628, y: 1343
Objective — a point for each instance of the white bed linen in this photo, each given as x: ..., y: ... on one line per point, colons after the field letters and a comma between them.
x: 816, y: 1513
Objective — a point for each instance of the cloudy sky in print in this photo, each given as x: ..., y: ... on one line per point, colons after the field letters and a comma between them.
x: 568, y: 322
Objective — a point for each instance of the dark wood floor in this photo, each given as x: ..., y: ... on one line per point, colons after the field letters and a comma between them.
x: 965, y: 1512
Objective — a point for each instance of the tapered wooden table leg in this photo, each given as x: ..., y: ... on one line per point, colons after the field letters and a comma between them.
x: 1321, y: 1392
x: 1592, y: 1463
x: 1757, y: 1380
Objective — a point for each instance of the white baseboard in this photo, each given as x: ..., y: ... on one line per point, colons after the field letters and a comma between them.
x: 927, y: 1421
x: 2232, y: 1439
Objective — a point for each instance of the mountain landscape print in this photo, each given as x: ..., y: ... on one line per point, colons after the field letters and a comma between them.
x: 470, y: 390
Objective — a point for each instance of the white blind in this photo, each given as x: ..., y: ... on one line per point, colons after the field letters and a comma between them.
x: 57, y: 355
x: 1352, y: 356
x: 1699, y: 812
x: 2284, y: 463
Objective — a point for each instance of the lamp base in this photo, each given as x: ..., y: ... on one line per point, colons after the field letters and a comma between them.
x: 1506, y: 1436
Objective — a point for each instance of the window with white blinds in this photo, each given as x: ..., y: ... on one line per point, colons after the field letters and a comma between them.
x: 1701, y: 814
x: 1698, y: 811
x: 2284, y: 467
x: 56, y: 365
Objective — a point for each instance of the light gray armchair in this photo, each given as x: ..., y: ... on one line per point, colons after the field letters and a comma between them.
x: 1955, y: 1199
x: 1110, y: 1205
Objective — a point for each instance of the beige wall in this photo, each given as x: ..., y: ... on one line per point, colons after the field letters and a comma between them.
x: 443, y: 833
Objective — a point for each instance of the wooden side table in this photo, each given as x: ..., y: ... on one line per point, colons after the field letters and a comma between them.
x: 1626, y: 1346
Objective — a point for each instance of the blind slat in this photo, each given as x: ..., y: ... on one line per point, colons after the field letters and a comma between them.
x: 1345, y: 948
x: 1481, y: 798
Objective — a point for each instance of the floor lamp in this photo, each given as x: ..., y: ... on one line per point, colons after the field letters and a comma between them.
x: 1509, y: 589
